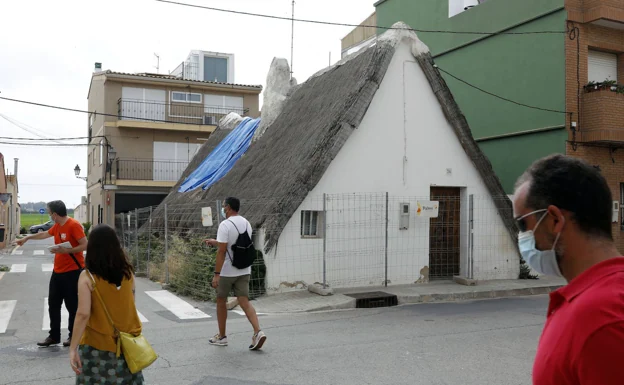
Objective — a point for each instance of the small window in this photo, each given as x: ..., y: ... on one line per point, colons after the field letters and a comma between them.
x: 311, y: 224
x: 186, y: 97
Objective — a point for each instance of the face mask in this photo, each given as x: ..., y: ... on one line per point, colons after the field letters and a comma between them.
x: 223, y: 212
x: 542, y: 261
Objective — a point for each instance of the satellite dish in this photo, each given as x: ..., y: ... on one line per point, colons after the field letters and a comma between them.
x: 4, y: 197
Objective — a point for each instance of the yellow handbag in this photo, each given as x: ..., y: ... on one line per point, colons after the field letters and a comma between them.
x: 137, y: 352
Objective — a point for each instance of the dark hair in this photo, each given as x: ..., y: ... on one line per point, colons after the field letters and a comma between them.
x: 574, y: 185
x: 105, y: 256
x: 58, y: 208
x: 234, y: 203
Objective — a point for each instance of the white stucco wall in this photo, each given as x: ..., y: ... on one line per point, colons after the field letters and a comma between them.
x: 403, y: 146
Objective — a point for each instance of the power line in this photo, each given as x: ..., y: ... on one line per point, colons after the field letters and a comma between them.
x: 498, y: 96
x: 353, y: 25
x: 25, y: 127
x: 48, y: 139
x: 51, y: 184
x: 92, y: 112
x: 50, y: 144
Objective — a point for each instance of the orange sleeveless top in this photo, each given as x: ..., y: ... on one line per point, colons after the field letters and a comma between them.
x: 99, y: 332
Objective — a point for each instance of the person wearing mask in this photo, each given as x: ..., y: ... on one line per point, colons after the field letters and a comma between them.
x: 563, y: 208
x: 68, y: 263
x: 92, y: 353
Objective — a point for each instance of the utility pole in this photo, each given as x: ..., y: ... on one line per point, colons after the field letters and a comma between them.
x: 292, y: 40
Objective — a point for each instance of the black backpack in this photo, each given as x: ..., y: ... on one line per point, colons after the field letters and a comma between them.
x: 243, y: 251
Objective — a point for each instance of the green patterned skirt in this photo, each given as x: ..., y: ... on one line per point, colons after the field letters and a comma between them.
x: 104, y: 368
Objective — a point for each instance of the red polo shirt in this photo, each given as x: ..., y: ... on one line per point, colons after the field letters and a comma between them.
x: 583, y: 339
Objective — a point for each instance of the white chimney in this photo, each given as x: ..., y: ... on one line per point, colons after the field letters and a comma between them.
x: 98, y: 67
x: 15, y: 168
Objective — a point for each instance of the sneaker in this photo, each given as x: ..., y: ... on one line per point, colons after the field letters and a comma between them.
x: 257, y: 341
x: 48, y: 342
x: 218, y: 340
x: 67, y: 343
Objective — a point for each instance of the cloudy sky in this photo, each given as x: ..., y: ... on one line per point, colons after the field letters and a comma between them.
x: 48, y: 50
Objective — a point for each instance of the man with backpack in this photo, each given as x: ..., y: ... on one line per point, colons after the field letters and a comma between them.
x: 235, y: 255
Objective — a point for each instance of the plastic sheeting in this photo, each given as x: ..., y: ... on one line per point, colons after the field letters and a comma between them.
x: 221, y: 160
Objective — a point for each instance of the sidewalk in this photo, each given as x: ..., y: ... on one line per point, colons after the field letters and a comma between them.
x: 445, y: 291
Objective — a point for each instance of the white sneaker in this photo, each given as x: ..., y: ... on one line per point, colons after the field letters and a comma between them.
x: 257, y: 341
x: 218, y: 340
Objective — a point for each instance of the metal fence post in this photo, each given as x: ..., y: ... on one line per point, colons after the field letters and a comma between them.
x: 218, y: 212
x: 166, y: 247
x: 136, y: 237
x: 324, y: 240
x: 386, y: 247
x: 149, y: 241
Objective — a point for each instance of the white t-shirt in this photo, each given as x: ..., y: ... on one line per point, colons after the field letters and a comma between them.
x: 228, y: 233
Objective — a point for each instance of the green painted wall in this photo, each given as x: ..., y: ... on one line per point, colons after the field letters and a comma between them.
x: 525, y: 68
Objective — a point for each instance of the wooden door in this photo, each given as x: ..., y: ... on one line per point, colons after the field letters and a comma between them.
x: 444, y: 234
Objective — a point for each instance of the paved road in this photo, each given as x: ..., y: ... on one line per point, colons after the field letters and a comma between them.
x: 481, y: 342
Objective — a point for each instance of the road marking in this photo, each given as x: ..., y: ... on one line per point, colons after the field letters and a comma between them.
x: 46, y: 267
x: 179, y: 307
x: 39, y: 252
x: 46, y: 316
x: 17, y: 252
x: 142, y: 317
x: 1, y: 274
x: 6, y: 311
x: 240, y: 312
x: 18, y: 268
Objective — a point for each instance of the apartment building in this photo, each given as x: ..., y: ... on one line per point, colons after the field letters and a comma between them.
x: 9, y: 207
x: 576, y: 70
x: 144, y: 128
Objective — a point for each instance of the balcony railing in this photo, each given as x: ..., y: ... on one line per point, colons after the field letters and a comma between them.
x: 603, y: 120
x: 185, y: 113
x: 150, y: 170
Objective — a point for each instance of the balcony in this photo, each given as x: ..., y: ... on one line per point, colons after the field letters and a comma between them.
x: 172, y: 116
x: 603, y: 121
x: 154, y: 173
x: 606, y: 13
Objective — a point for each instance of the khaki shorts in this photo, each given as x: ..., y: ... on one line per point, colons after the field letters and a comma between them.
x: 240, y: 285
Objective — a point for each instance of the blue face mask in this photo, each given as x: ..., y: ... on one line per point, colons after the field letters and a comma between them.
x: 223, y: 212
x: 542, y: 261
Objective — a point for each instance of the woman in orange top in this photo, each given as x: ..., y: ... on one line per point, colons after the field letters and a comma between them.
x: 94, y: 344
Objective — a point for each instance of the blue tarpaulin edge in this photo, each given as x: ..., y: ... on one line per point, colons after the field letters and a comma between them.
x: 221, y: 160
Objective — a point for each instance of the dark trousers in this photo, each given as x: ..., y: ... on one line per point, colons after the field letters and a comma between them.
x: 63, y: 288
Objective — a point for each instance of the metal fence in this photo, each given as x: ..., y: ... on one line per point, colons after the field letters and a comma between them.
x: 339, y: 240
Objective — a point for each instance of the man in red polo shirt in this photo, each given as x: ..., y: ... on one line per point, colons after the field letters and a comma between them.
x: 68, y: 264
x: 563, y: 207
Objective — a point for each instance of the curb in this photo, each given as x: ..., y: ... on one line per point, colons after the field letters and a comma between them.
x: 474, y: 295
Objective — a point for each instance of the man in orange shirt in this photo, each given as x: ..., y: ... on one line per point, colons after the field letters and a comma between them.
x: 68, y: 264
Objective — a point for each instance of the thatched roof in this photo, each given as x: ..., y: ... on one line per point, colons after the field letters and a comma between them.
x: 288, y: 161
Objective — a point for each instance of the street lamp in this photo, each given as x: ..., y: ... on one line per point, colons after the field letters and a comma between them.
x: 77, y: 172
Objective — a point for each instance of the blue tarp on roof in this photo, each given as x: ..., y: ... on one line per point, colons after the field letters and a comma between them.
x: 221, y: 160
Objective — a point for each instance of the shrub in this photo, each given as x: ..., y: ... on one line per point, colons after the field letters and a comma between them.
x: 525, y: 271
x: 87, y: 227
x: 23, y: 230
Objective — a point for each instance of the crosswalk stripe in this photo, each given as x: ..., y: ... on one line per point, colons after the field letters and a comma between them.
x: 18, y: 268
x: 39, y: 252
x: 1, y: 274
x: 6, y: 311
x: 142, y: 317
x: 240, y: 312
x: 45, y: 267
x: 179, y: 307
x: 46, y: 316
x: 17, y: 252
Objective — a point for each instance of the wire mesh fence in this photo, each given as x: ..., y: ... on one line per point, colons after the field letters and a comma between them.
x: 337, y: 240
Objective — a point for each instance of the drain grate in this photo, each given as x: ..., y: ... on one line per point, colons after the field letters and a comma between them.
x: 374, y: 299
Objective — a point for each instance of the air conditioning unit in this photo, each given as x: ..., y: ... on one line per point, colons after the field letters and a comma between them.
x: 404, y: 215
x: 616, y: 211
x: 210, y: 120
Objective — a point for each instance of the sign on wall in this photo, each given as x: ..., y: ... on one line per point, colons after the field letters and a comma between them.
x: 206, y: 214
x: 427, y: 209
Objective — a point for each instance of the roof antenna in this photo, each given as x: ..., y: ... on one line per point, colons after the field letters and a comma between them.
x: 157, y: 63
x: 292, y: 40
